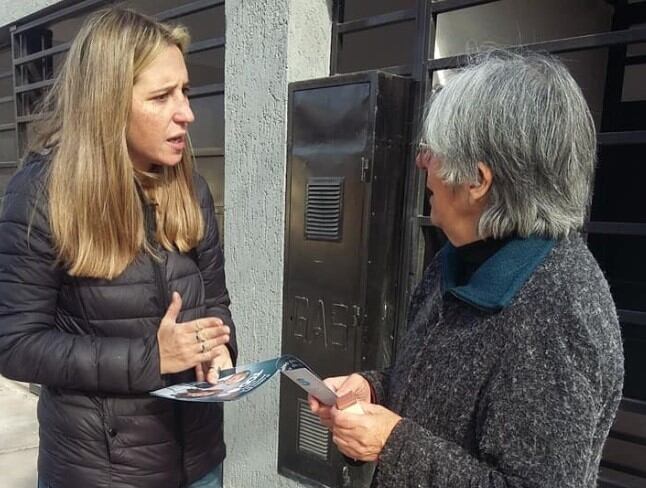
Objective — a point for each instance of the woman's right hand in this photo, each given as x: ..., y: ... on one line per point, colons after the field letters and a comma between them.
x: 341, y: 385
x: 184, y: 345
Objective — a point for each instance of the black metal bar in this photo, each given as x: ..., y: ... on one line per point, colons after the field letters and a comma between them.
x: 622, y: 138
x: 189, y: 8
x: 377, y: 21
x: 6, y: 99
x: 196, y: 47
x: 623, y: 468
x: 412, y: 255
x: 34, y: 86
x: 450, y: 62
x: 632, y: 317
x: 570, y: 44
x: 21, y: 119
x: 449, y: 5
x: 616, y: 228
x: 41, y: 54
x: 633, y: 439
x: 203, y: 152
x: 337, y: 40
x: 591, y: 41
x: 60, y: 14
x: 423, y: 220
x: 400, y: 69
x: 633, y: 406
x: 211, y: 89
x: 16, y: 50
x: 636, y: 59
x: 636, y: 12
x: 606, y: 483
x: 607, y: 228
x: 6, y: 74
x: 614, y: 72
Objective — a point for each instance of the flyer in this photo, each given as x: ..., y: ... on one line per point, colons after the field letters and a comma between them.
x: 234, y: 383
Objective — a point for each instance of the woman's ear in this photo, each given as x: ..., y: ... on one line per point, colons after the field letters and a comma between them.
x: 478, y: 191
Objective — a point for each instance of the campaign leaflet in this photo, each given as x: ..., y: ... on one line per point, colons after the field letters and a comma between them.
x: 234, y: 383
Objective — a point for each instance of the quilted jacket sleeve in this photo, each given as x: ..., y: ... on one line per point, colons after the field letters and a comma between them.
x: 31, y: 348
x: 211, y: 263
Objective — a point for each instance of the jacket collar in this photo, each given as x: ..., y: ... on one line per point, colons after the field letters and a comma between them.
x: 495, y: 283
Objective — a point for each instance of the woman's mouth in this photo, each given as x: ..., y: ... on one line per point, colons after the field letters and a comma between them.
x: 177, y: 143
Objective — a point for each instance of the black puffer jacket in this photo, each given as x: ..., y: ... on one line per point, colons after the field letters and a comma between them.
x: 92, y: 344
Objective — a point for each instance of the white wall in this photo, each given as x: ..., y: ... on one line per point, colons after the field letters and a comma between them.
x: 269, y: 44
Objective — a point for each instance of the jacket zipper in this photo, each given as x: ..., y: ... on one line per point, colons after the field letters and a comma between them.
x: 160, y: 281
x: 162, y: 291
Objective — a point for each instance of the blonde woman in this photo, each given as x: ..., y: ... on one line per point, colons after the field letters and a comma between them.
x: 111, y: 271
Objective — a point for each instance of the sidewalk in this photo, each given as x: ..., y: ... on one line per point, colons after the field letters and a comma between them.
x: 18, y: 435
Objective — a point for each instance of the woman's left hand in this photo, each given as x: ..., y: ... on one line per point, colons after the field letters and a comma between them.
x: 363, y: 436
x: 211, y: 371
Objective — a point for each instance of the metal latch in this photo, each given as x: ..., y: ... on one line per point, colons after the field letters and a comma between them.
x: 365, y: 169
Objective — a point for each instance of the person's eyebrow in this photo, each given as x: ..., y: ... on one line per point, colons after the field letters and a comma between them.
x: 167, y: 87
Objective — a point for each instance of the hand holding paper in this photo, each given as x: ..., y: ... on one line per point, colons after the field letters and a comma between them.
x: 210, y: 371
x: 362, y: 437
x: 359, y: 428
x: 353, y: 385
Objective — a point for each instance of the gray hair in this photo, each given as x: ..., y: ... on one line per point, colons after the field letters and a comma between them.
x: 525, y: 117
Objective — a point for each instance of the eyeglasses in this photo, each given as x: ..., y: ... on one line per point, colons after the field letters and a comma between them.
x: 422, y: 148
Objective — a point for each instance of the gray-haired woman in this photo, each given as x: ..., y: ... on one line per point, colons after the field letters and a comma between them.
x: 512, y: 367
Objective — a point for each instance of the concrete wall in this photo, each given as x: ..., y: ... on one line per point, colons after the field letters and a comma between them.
x: 269, y: 44
x: 12, y: 10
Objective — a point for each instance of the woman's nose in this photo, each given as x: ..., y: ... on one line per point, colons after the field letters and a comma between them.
x: 419, y: 160
x: 184, y: 114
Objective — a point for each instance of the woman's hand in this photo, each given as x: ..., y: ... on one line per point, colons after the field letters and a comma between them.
x: 341, y: 385
x: 211, y: 371
x: 187, y: 344
x: 363, y: 436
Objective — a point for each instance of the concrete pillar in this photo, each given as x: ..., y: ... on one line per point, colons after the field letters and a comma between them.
x: 11, y: 10
x: 270, y: 43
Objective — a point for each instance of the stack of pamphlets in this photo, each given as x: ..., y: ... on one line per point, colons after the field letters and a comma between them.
x: 237, y: 382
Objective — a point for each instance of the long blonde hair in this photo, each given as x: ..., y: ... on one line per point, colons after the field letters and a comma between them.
x: 96, y: 214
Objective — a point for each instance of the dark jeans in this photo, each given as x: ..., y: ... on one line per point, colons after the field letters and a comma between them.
x: 211, y: 480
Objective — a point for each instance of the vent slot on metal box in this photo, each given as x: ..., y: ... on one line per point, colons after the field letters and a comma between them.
x: 324, y: 209
x: 312, y: 436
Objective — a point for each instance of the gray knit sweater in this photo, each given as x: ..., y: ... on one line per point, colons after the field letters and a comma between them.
x: 519, y: 395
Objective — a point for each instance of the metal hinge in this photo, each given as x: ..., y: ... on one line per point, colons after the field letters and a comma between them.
x: 357, y: 315
x: 366, y: 169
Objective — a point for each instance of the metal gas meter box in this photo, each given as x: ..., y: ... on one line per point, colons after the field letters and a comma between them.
x: 348, y: 144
